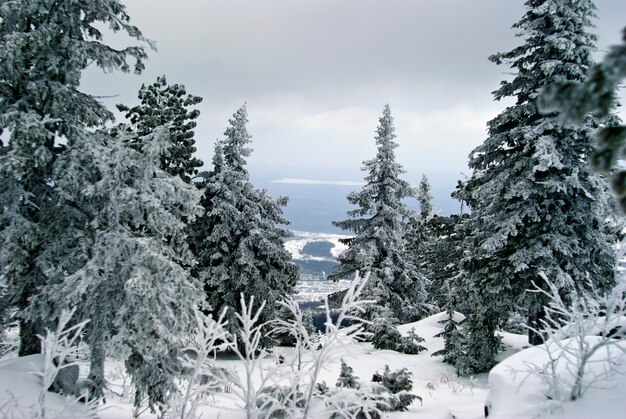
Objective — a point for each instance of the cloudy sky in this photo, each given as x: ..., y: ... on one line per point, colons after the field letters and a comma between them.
x: 316, y: 74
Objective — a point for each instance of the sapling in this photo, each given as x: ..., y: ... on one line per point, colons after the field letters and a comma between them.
x: 311, y: 353
x: 587, y: 329
x: 202, y: 376
x: 59, y: 351
x: 246, y: 344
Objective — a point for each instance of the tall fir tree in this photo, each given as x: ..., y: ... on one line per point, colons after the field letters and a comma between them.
x: 536, y: 204
x: 439, y: 260
x: 45, y: 45
x: 238, y: 241
x: 380, y: 223
x: 161, y: 105
x: 425, y: 199
x: 597, y: 95
x: 132, y: 281
x: 418, y: 235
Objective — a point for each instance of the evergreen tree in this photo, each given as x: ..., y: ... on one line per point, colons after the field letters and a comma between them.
x: 133, y: 284
x: 536, y: 205
x: 451, y: 332
x: 439, y: 259
x: 45, y: 45
x: 167, y: 105
x: 418, y: 234
x: 238, y: 241
x: 425, y: 199
x: 596, y: 95
x: 347, y: 379
x: 380, y: 224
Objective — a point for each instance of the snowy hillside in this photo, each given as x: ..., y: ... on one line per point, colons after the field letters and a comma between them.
x: 444, y: 394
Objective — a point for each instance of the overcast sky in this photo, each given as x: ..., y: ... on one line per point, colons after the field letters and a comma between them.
x: 316, y: 74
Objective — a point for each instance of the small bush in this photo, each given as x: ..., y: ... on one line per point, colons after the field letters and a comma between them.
x: 347, y: 378
x: 399, y: 384
x: 386, y: 336
x: 409, y: 344
x: 273, y: 399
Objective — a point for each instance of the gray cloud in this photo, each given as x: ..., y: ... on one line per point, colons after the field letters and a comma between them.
x: 316, y: 74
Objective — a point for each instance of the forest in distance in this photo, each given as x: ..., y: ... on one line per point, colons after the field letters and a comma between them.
x: 133, y: 271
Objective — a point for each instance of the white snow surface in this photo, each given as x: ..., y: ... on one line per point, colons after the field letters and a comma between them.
x: 444, y: 394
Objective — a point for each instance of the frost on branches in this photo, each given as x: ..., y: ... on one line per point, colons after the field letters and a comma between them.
x: 137, y: 257
x: 596, y: 95
x: 44, y: 48
x: 238, y: 240
x: 380, y: 222
x: 536, y: 204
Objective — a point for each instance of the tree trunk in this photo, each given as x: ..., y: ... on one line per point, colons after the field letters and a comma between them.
x: 30, y: 344
x: 98, y: 341
x: 536, y: 315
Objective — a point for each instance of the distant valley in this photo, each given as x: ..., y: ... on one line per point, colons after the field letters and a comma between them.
x: 316, y: 254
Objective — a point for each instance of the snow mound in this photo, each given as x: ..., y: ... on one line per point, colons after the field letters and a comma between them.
x: 20, y: 391
x: 429, y: 326
x: 514, y: 393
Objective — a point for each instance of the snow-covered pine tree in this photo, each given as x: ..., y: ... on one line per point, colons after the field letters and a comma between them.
x: 596, y: 95
x: 45, y: 45
x: 439, y: 259
x: 163, y: 104
x: 425, y: 199
x: 134, y: 285
x: 347, y: 379
x: 536, y: 204
x: 238, y: 242
x: 380, y: 225
x: 451, y: 332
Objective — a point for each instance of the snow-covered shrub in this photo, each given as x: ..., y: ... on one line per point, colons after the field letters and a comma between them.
x: 584, y: 342
x: 274, y: 401
x: 246, y: 344
x: 352, y: 403
x: 321, y: 389
x: 409, y: 344
x: 312, y: 351
x: 59, y: 351
x: 347, y: 378
x: 399, y: 384
x: 201, y: 377
x: 385, y: 335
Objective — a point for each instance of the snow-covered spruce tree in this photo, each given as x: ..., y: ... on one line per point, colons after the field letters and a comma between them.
x: 379, y: 246
x: 425, y: 199
x: 347, y: 378
x: 596, y: 95
x: 237, y: 241
x: 163, y: 104
x: 536, y: 204
x: 44, y: 47
x: 439, y: 260
x: 451, y: 333
x: 134, y: 285
x: 418, y: 236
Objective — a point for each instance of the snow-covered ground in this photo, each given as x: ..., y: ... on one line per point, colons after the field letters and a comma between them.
x: 443, y: 393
